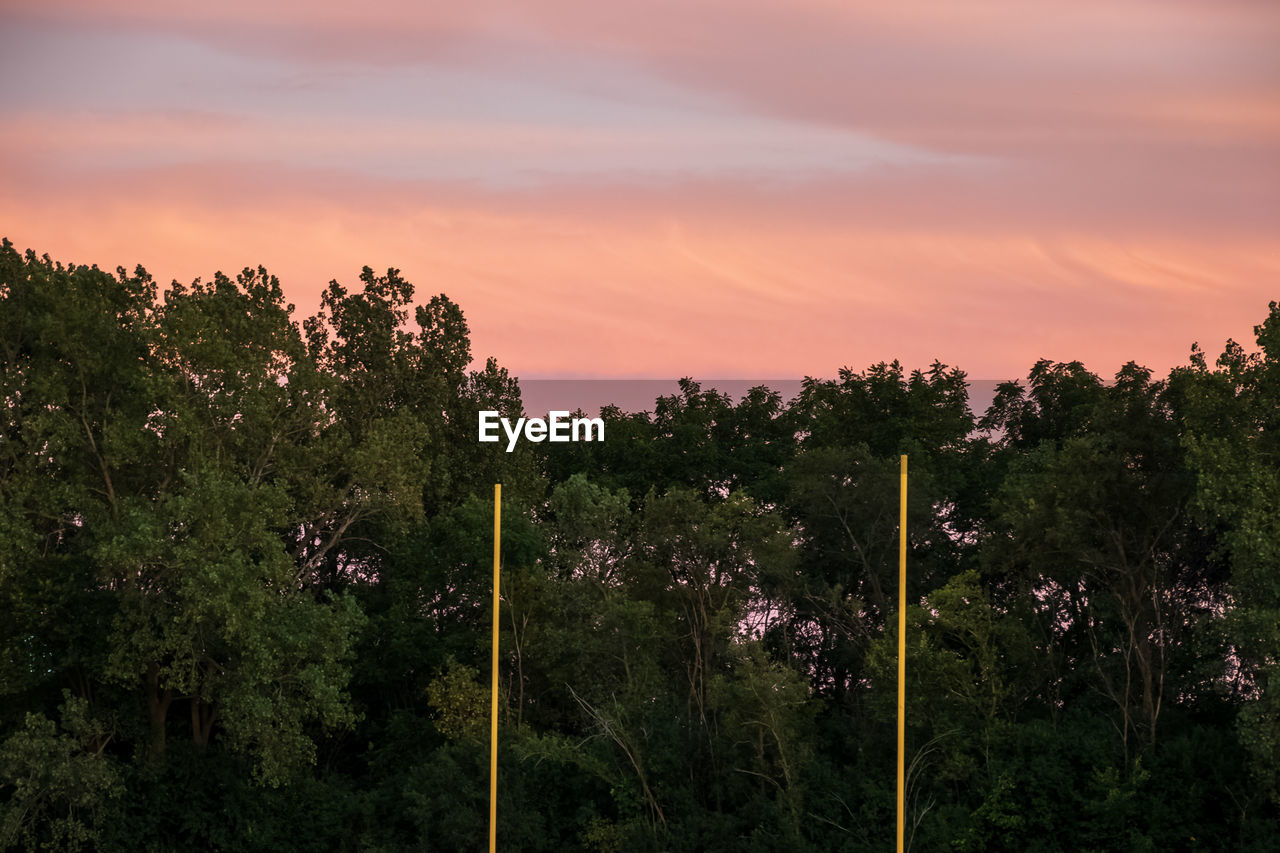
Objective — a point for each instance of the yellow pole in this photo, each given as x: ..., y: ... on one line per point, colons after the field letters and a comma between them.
x: 493, y: 717
x: 902, y: 651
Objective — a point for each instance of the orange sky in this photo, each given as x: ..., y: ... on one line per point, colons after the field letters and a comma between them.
x: 748, y: 188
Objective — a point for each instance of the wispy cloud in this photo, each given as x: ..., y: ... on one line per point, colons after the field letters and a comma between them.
x: 753, y: 187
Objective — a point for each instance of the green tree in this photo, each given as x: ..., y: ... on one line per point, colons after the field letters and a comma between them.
x: 1233, y: 442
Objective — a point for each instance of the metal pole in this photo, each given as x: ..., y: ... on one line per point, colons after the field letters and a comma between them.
x: 493, y: 720
x: 902, y: 651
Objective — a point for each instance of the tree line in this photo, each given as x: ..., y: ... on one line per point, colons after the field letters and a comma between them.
x: 244, y: 593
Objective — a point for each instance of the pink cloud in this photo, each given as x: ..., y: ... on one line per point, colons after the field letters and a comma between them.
x: 682, y: 284
x: 1117, y: 199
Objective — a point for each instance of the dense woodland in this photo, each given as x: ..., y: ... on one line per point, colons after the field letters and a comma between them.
x: 245, y: 594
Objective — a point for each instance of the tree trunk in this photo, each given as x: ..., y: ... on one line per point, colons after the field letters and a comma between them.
x: 202, y: 717
x: 157, y: 711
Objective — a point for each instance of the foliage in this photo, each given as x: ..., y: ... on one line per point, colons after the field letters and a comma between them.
x: 245, y: 593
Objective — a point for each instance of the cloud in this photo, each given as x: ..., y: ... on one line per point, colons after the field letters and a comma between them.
x: 734, y: 188
x: 686, y: 283
x: 107, y: 100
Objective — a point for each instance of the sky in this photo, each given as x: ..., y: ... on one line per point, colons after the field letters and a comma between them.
x: 660, y: 188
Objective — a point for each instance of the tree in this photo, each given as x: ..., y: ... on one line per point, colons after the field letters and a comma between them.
x: 1092, y: 525
x: 1233, y: 443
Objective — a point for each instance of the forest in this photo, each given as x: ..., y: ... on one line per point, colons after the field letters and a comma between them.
x: 245, y: 593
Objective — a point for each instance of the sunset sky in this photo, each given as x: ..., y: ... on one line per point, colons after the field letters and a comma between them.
x: 653, y: 188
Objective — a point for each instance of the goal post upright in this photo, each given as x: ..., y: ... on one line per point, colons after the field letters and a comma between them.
x: 902, y: 649
x: 493, y: 716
